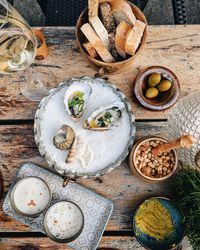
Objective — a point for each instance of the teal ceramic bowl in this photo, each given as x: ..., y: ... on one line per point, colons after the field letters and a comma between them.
x: 171, y: 241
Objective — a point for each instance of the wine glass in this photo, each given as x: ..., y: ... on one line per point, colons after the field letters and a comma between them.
x: 18, y: 47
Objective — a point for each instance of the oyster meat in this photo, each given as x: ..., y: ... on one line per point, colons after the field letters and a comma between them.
x: 64, y: 138
x: 105, y: 117
x: 76, y: 98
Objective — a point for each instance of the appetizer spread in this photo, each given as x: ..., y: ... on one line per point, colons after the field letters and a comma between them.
x: 30, y: 196
x: 76, y: 98
x: 154, y: 220
x: 156, y: 88
x: 157, y: 84
x: 63, y: 221
x: 152, y: 165
x: 105, y: 117
x: 90, y: 119
x: 76, y: 215
x: 157, y: 224
x: 113, y: 33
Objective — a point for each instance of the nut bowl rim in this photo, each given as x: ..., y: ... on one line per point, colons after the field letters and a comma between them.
x: 110, y: 167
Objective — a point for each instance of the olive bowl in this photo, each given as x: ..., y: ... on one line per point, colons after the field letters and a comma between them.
x: 164, y: 100
x: 168, y: 243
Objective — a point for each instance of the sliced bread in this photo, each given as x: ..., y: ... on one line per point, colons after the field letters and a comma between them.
x: 100, y: 29
x: 97, y: 43
x: 107, y: 17
x: 139, y: 26
x: 120, y: 38
x: 112, y: 47
x: 133, y: 38
x: 90, y: 49
x: 93, y: 6
x: 122, y: 11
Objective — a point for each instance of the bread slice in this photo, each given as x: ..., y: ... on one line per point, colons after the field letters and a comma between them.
x: 107, y: 17
x: 90, y: 49
x: 139, y: 26
x: 93, y: 6
x: 134, y: 36
x: 122, y: 11
x: 120, y: 38
x: 99, y: 29
x: 97, y: 43
x: 112, y: 47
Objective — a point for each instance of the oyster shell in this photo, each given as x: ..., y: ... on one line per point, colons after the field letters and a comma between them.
x: 76, y: 98
x: 64, y: 138
x: 105, y: 117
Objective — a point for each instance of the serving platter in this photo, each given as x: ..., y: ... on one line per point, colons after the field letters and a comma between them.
x: 96, y: 209
x: 51, y: 115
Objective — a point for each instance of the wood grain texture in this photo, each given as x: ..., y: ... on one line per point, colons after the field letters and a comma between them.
x: 125, y: 190
x: 176, y: 47
x: 107, y: 243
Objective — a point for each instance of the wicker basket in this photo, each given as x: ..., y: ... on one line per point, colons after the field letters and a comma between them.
x: 104, y: 66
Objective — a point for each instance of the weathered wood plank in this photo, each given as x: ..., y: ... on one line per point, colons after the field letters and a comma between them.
x: 106, y: 243
x: 176, y: 47
x: 112, y: 243
x: 125, y: 190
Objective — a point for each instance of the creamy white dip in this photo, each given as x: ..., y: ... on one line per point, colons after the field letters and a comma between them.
x: 31, y: 195
x: 64, y: 220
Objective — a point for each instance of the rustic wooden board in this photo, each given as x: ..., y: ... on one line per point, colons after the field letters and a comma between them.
x: 176, y: 47
x: 126, y: 191
x: 112, y: 243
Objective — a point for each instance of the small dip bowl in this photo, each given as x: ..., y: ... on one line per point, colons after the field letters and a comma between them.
x: 163, y: 100
x: 169, y: 242
x: 148, y: 167
x: 63, y: 221
x: 30, y: 196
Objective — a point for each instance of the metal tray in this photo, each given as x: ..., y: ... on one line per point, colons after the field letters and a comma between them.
x: 96, y: 209
x: 37, y: 129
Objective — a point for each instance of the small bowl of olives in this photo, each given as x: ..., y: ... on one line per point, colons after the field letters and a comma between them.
x: 157, y: 88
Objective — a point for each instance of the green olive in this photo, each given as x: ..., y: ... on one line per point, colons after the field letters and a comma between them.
x: 151, y: 92
x: 154, y: 79
x: 164, y: 85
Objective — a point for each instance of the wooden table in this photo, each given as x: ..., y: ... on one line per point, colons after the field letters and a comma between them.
x: 176, y: 47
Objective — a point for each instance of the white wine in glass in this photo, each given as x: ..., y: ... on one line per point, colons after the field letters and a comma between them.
x: 18, y: 47
x: 16, y: 53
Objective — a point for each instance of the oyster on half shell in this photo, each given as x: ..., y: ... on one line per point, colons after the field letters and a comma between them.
x: 64, y: 138
x: 105, y: 117
x: 76, y: 98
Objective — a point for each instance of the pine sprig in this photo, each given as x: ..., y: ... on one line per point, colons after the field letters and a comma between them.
x: 187, y: 199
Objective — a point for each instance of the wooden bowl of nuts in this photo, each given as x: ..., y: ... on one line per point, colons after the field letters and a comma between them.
x: 148, y: 166
x: 156, y: 88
